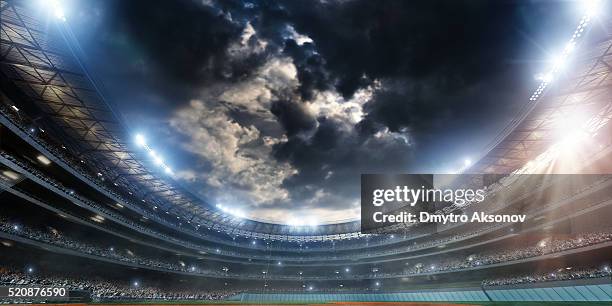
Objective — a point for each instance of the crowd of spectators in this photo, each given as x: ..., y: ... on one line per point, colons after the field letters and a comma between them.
x: 311, y: 257
x: 26, y: 125
x: 543, y: 247
x: 106, y: 289
x: 372, y: 252
x: 559, y: 275
x: 56, y: 238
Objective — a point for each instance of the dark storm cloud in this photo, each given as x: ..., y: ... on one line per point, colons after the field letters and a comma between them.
x: 185, y: 43
x: 434, y: 58
x: 334, y: 157
x: 311, y: 69
x: 414, y: 105
x: 436, y: 70
x: 292, y: 117
x: 452, y: 44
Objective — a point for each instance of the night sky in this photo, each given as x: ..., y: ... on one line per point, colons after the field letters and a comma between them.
x: 277, y: 107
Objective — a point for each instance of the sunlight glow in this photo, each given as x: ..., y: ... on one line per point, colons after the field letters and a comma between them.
x: 140, y: 140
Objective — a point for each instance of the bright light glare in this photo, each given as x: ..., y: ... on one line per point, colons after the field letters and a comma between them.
x: 295, y: 222
x: 544, y: 77
x: 467, y: 162
x: 312, y: 222
x: 570, y: 47
x: 232, y: 211
x: 59, y: 13
x: 569, y: 122
x: 558, y: 62
x: 158, y: 160
x: 56, y: 8
x: 572, y: 140
x: 591, y: 7
x: 140, y: 140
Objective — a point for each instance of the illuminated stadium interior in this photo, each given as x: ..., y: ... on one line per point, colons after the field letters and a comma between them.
x: 89, y: 203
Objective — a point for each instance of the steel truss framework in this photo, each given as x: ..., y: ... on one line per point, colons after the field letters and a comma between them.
x: 586, y: 89
x: 38, y: 59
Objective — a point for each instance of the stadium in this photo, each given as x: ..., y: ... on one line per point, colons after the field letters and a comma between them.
x: 90, y: 210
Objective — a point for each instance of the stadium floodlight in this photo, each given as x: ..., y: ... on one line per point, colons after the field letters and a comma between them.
x: 136, y: 284
x: 279, y: 263
x: 30, y: 270
x: 157, y: 159
x: 43, y: 160
x: 347, y: 270
x: 377, y: 284
x: 558, y: 62
x: 140, y: 140
x: 11, y: 175
x: 97, y: 218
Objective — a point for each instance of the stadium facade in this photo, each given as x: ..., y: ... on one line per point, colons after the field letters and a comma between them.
x: 79, y: 200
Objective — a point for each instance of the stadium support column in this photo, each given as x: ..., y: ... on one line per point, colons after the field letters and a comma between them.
x: 485, y: 292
